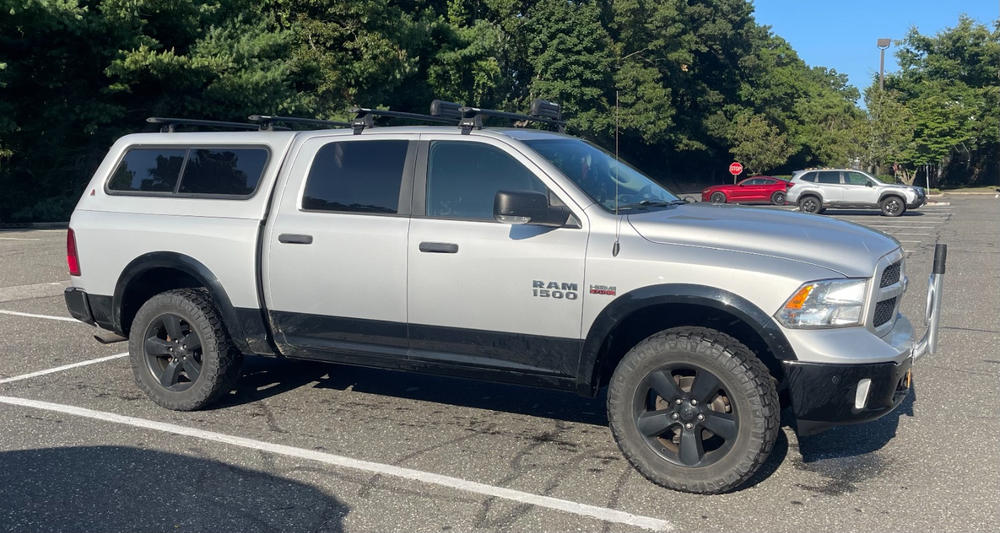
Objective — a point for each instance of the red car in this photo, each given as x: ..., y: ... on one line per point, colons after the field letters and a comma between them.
x: 754, y: 189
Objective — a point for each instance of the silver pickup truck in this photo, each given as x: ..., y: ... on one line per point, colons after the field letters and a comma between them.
x: 508, y: 254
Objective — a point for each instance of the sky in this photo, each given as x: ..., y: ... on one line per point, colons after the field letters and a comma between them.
x: 841, y: 34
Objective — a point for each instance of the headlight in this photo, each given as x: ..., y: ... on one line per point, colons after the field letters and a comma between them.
x: 825, y: 304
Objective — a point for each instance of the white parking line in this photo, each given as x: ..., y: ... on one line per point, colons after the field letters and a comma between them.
x: 63, y: 367
x: 17, y: 239
x: 33, y: 315
x: 582, y: 509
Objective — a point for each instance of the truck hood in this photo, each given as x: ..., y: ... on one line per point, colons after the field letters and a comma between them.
x: 844, y: 247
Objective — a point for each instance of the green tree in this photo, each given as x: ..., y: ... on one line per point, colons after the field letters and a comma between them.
x: 757, y: 143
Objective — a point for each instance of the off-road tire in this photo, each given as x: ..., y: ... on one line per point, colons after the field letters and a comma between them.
x: 811, y: 204
x: 778, y: 198
x: 754, y: 396
x: 892, y: 206
x: 717, y: 198
x: 220, y: 360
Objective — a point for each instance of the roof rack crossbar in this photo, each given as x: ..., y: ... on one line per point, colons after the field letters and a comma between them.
x: 267, y: 122
x: 365, y: 117
x: 472, y: 117
x: 169, y: 125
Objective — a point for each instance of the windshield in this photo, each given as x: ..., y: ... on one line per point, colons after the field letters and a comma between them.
x: 600, y: 176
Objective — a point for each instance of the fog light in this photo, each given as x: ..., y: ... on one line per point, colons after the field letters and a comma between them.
x: 861, y: 396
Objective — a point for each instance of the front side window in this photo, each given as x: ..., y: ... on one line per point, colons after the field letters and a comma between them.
x: 223, y: 171
x: 611, y: 183
x: 463, y: 179
x: 356, y: 176
x: 829, y: 177
x: 148, y: 170
x: 856, y: 178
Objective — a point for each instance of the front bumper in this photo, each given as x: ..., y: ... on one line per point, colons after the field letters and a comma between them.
x: 824, y: 395
x: 919, y: 201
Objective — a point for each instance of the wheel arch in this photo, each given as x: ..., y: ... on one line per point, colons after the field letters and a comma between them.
x: 637, y: 314
x: 887, y: 194
x: 155, y: 272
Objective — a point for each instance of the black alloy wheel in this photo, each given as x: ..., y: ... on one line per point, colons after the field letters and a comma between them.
x: 892, y: 206
x: 778, y: 198
x: 686, y: 415
x: 173, y: 352
x: 718, y: 198
x: 810, y: 204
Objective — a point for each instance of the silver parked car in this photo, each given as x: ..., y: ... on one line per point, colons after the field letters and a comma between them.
x: 817, y: 190
x: 514, y: 255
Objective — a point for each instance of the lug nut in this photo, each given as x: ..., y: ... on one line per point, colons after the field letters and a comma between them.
x: 701, y: 417
x: 675, y: 416
x: 689, y: 425
x: 678, y: 401
x: 694, y: 402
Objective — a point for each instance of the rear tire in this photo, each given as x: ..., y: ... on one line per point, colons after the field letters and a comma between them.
x: 778, y: 198
x: 181, y: 354
x: 718, y: 198
x: 693, y: 410
x: 892, y: 206
x: 810, y: 204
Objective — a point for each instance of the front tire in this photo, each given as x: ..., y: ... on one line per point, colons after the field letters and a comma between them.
x: 778, y: 198
x: 181, y: 354
x: 892, y: 206
x: 693, y: 410
x: 718, y: 198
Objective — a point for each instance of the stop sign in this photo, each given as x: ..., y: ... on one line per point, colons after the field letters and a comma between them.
x: 735, y: 168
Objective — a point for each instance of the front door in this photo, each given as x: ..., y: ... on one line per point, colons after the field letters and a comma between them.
x: 335, y: 254
x: 482, y: 293
x: 859, y: 189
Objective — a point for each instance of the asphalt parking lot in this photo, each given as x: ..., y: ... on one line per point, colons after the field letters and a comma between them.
x: 314, y: 447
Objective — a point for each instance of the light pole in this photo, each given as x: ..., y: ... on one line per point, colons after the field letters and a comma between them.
x: 882, y: 45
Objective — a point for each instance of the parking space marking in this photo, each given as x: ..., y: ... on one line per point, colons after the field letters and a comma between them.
x: 17, y: 239
x: 33, y: 315
x: 601, y: 513
x: 63, y: 367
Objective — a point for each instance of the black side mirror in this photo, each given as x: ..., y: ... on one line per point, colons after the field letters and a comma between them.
x: 869, y: 184
x: 528, y: 207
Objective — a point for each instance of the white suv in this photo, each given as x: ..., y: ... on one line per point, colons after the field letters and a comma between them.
x: 816, y: 190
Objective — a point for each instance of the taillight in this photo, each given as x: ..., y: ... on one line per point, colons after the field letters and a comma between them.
x: 72, y: 259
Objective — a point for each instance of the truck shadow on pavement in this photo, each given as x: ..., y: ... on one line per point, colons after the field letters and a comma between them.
x: 103, y: 489
x: 265, y: 377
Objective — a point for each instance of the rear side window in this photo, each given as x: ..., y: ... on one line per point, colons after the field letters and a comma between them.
x: 148, y: 170
x: 463, y: 179
x: 190, y: 171
x: 810, y: 177
x: 356, y: 176
x: 829, y: 177
x: 223, y: 171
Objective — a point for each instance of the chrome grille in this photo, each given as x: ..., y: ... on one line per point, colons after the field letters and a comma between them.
x: 891, y: 274
x: 884, y: 311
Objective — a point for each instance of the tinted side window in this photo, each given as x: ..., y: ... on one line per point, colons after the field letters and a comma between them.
x: 829, y: 177
x: 810, y: 177
x: 855, y: 178
x: 464, y: 177
x: 148, y: 170
x: 356, y: 176
x: 223, y: 171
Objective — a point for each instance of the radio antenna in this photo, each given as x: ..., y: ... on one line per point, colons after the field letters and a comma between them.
x: 616, y: 247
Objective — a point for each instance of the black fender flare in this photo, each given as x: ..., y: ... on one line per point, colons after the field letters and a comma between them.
x: 673, y: 293
x: 900, y: 195
x: 191, y: 267
x: 812, y: 192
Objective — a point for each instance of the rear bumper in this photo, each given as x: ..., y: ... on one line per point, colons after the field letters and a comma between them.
x: 92, y: 309
x: 825, y: 395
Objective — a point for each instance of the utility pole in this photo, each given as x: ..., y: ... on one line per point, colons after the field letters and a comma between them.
x: 882, y: 45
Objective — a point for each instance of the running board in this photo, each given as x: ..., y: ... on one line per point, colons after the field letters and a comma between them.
x: 109, y: 338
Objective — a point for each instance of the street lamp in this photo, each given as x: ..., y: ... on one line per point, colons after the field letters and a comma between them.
x: 882, y: 45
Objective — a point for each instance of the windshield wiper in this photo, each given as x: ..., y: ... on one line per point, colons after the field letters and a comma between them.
x: 651, y: 203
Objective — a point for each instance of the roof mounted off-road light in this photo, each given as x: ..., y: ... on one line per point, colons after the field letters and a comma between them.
x: 267, y: 122
x: 364, y: 117
x: 169, y: 125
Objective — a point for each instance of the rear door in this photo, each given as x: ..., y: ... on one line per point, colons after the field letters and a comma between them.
x: 335, y: 253
x: 482, y: 293
x: 830, y: 186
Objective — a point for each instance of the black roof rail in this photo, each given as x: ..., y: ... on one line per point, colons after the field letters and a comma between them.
x: 471, y: 118
x: 266, y: 122
x: 365, y: 117
x: 168, y: 125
